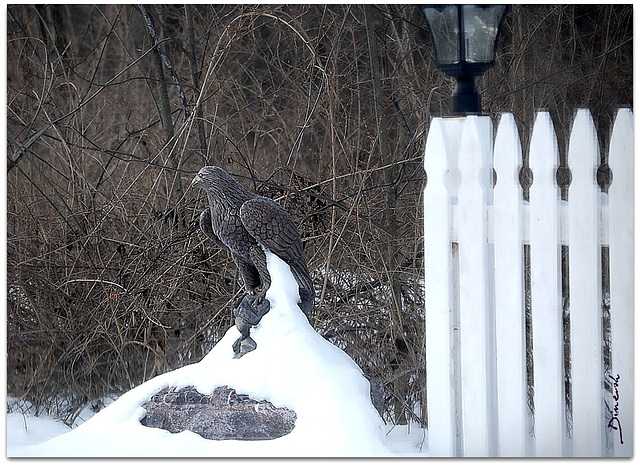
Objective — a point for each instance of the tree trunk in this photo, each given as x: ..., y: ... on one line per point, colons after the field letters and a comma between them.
x: 391, y: 222
x: 191, y: 52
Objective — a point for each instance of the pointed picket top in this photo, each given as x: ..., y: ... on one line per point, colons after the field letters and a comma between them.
x: 621, y: 147
x: 436, y: 146
x: 543, y: 153
x: 620, y: 420
x: 585, y: 287
x: 508, y: 153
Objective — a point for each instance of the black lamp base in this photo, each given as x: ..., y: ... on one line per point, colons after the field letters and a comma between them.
x: 465, y: 99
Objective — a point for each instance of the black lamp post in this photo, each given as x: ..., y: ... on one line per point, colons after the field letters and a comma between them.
x: 464, y: 37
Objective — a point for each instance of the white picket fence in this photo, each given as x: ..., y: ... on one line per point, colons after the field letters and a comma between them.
x: 475, y: 237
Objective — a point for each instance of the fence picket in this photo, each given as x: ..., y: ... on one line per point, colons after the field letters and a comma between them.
x: 473, y: 164
x: 585, y: 295
x: 509, y: 292
x: 546, y: 300
x: 438, y: 285
x: 620, y: 198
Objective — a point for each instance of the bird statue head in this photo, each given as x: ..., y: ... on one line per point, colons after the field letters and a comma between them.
x: 209, y: 176
x: 220, y: 186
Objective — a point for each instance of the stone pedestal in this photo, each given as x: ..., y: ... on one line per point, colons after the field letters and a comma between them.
x: 223, y: 415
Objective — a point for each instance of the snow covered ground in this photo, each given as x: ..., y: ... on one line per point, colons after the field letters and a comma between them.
x: 292, y: 366
x: 23, y: 430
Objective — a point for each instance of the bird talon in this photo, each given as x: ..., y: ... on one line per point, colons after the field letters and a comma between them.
x: 250, y: 311
x: 243, y: 346
x: 247, y: 315
x: 258, y: 294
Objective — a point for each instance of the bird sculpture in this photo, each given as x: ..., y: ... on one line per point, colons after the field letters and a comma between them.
x: 246, y: 224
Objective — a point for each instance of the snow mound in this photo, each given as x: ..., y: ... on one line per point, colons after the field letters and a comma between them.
x: 292, y: 366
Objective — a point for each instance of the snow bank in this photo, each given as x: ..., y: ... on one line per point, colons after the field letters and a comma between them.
x: 25, y: 429
x: 292, y: 366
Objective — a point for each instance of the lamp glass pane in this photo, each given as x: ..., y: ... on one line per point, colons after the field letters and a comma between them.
x: 480, y: 31
x: 443, y: 23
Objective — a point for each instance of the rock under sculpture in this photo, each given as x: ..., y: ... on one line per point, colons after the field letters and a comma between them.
x: 222, y: 415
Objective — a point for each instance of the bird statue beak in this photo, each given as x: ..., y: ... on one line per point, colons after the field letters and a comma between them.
x: 197, y: 180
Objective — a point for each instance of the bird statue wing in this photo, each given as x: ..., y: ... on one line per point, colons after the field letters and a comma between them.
x: 272, y: 227
x: 207, y: 228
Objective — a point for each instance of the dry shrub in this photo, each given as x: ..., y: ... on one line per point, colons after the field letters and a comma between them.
x: 323, y: 107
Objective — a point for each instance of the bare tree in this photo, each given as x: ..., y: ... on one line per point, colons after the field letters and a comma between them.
x: 112, y: 109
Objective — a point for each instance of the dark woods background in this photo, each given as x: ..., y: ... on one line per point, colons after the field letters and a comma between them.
x: 112, y: 109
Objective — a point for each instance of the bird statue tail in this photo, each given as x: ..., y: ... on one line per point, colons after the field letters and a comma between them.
x: 305, y: 286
